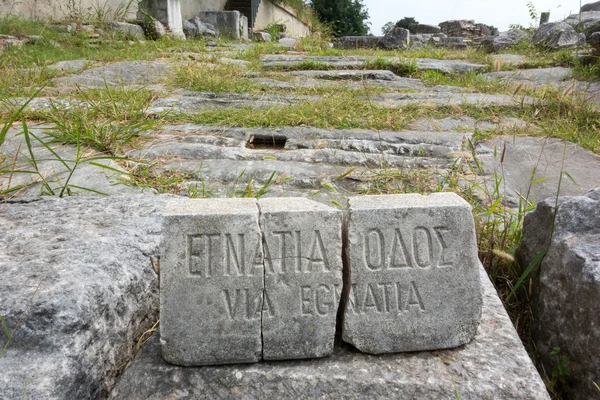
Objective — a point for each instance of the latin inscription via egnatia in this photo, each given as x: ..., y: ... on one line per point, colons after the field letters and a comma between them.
x: 423, y: 248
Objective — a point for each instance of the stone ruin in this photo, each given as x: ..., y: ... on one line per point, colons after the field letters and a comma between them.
x: 245, y: 280
x: 467, y: 28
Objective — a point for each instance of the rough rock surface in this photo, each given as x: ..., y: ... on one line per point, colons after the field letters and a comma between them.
x: 360, y: 62
x: 591, y: 7
x: 396, y: 38
x: 566, y: 293
x: 504, y: 40
x: 129, y: 31
x: 306, y: 158
x: 494, y: 365
x: 538, y: 77
x: 123, y: 73
x: 523, y: 154
x: 586, y: 22
x: 77, y: 275
x: 260, y: 36
x: 357, y: 42
x: 95, y: 179
x: 557, y: 35
x: 70, y: 65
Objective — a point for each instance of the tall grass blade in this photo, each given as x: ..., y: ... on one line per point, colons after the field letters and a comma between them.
x: 533, y: 265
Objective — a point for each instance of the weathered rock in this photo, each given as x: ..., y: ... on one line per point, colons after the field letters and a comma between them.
x: 457, y: 43
x: 466, y: 28
x: 289, y: 42
x: 468, y: 124
x: 70, y: 65
x: 586, y: 22
x: 212, y: 282
x: 123, y: 73
x: 190, y: 30
x: 129, y: 31
x: 594, y: 41
x: 79, y: 285
x: 509, y: 59
x: 156, y: 29
x: 444, y: 98
x: 412, y: 263
x: 350, y: 75
x: 524, y: 155
x: 557, y: 35
x: 357, y: 42
x: 360, y: 62
x: 539, y: 77
x: 306, y: 157
x: 87, y: 179
x: 303, y: 277
x: 426, y: 29
x: 227, y: 23
x: 591, y: 7
x: 492, y: 366
x: 566, y: 292
x: 397, y: 38
x: 261, y: 36
x: 504, y: 40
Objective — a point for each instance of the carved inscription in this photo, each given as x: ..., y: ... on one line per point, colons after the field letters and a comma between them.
x: 423, y: 248
x: 284, y: 253
x: 221, y: 255
x: 319, y: 300
x: 385, y: 298
x: 241, y: 304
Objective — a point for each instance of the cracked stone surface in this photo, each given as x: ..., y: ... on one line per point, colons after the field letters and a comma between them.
x: 124, y: 73
x: 524, y: 154
x: 304, y: 157
x: 87, y: 179
x: 361, y: 62
x: 444, y: 99
x: 493, y: 365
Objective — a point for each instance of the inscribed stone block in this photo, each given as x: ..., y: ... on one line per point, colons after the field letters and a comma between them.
x: 413, y: 265
x: 303, y: 277
x: 212, y: 282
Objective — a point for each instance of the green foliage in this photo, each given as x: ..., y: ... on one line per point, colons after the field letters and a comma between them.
x: 345, y: 17
x: 407, y: 23
x: 561, y: 371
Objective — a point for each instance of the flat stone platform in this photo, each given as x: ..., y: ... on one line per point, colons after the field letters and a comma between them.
x: 494, y: 365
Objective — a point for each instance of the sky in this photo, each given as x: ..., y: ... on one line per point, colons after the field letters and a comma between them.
x: 497, y: 13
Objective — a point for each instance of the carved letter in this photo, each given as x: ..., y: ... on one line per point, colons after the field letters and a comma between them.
x: 423, y: 260
x: 232, y: 255
x: 440, y: 230
x: 374, y: 248
x: 400, y: 256
x: 317, y: 254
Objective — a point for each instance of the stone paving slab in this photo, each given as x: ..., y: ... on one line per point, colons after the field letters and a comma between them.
x: 96, y: 179
x: 191, y: 102
x: 523, y: 154
x: 538, y: 77
x: 125, y: 73
x: 362, y: 62
x: 446, y: 99
x: 492, y: 366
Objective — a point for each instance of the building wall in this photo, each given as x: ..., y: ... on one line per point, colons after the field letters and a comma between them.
x: 191, y: 8
x: 69, y: 9
x: 269, y: 13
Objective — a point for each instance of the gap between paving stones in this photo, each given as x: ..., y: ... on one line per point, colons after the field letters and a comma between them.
x: 208, y: 318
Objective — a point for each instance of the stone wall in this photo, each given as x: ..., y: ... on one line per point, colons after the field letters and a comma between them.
x: 191, y: 8
x: 269, y: 13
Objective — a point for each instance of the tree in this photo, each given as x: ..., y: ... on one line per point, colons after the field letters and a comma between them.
x: 345, y: 17
x: 388, y: 27
x: 407, y: 23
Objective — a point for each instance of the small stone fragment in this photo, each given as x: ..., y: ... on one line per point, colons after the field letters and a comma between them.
x: 413, y: 267
x: 212, y: 282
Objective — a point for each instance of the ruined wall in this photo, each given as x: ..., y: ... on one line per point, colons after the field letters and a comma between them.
x: 191, y: 8
x: 269, y: 13
x: 71, y: 9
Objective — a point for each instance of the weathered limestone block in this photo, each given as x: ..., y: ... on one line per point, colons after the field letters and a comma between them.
x: 129, y: 31
x: 566, y: 292
x: 356, y: 42
x: 412, y: 261
x: 212, y: 282
x: 557, y: 35
x: 303, y: 277
x: 397, y: 38
x: 228, y: 23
